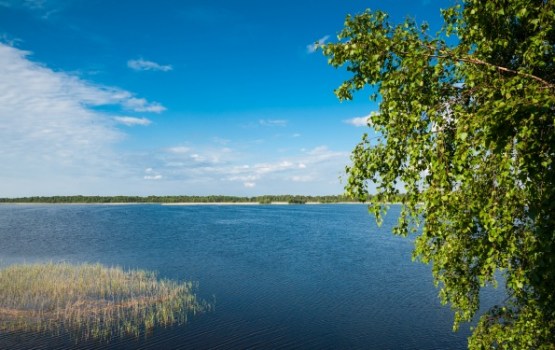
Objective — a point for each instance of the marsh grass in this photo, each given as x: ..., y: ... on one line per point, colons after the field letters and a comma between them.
x: 91, y: 300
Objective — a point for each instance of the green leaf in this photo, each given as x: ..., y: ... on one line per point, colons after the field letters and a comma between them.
x: 463, y: 136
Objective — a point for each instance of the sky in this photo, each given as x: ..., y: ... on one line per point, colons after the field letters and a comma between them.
x: 169, y: 97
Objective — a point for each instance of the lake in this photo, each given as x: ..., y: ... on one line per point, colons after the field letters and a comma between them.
x: 281, y: 276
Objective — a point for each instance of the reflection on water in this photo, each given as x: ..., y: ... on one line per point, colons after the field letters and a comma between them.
x: 283, y: 276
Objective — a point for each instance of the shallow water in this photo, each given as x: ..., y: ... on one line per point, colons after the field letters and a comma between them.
x: 321, y: 276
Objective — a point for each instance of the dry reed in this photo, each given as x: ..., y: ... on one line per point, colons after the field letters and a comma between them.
x: 91, y: 301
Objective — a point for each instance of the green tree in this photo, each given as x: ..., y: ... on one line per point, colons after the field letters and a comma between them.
x: 466, y: 127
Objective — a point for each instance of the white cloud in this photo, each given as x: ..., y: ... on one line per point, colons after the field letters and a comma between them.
x: 314, y: 170
x: 46, y: 85
x: 141, y: 64
x: 320, y: 151
x: 265, y: 168
x: 273, y: 122
x: 142, y: 105
x: 312, y: 166
x: 153, y: 177
x: 245, y: 178
x: 44, y: 114
x: 206, y: 170
x: 132, y: 121
x: 175, y: 164
x: 360, y: 121
x: 314, y: 46
x: 152, y: 174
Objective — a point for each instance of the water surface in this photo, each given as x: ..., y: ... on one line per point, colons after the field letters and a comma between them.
x: 306, y: 276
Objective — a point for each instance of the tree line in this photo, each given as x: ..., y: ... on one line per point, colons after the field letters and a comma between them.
x: 265, y: 199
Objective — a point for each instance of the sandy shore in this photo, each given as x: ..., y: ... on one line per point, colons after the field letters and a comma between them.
x: 211, y: 203
x: 47, y: 203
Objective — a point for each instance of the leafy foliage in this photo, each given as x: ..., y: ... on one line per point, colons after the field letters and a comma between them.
x: 467, y: 130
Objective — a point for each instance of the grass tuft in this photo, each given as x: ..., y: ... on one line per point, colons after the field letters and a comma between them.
x: 91, y: 300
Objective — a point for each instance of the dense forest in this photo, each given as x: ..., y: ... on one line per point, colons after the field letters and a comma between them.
x: 266, y: 199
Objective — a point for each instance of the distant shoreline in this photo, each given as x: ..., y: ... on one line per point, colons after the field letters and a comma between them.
x: 184, y: 200
x: 185, y: 204
x: 179, y: 203
x: 181, y: 199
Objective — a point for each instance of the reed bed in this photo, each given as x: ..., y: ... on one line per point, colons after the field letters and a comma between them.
x: 91, y: 300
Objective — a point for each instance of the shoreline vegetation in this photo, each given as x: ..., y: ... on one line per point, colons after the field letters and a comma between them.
x: 92, y: 301
x: 189, y: 200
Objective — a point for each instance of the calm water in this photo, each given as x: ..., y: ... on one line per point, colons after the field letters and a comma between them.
x: 304, y: 277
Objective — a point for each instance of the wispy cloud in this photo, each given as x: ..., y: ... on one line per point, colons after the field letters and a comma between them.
x: 51, y: 109
x: 179, y: 150
x: 224, y: 170
x: 29, y: 4
x: 309, y: 166
x: 42, y: 8
x: 152, y: 175
x: 141, y: 64
x: 302, y: 178
x: 311, y: 48
x: 8, y: 39
x: 142, y: 105
x: 75, y: 89
x: 220, y: 140
x: 54, y: 140
x: 132, y: 121
x: 44, y: 84
x: 273, y: 122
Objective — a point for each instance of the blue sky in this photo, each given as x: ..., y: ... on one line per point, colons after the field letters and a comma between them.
x: 139, y: 97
